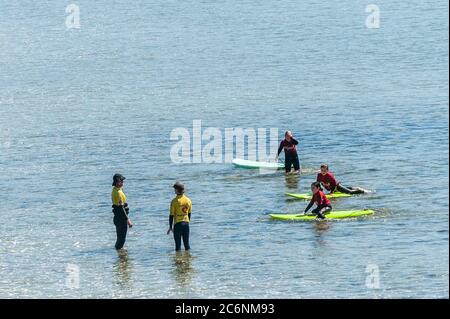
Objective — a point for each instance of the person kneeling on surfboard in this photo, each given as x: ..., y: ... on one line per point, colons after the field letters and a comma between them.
x: 121, y: 210
x: 327, y: 179
x: 290, y: 153
x: 180, y: 212
x: 322, y: 202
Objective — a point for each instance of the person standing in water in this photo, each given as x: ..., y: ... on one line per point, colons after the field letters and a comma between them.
x: 289, y: 145
x: 322, y: 202
x: 327, y: 179
x: 120, y: 210
x: 180, y: 215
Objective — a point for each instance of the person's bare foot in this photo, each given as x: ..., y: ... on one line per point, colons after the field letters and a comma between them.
x: 362, y: 190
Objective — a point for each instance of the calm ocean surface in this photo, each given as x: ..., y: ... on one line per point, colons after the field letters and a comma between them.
x: 78, y: 105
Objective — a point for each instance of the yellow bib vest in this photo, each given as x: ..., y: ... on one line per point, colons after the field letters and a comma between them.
x: 180, y: 208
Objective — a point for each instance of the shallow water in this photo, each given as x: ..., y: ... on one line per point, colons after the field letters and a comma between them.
x: 78, y: 105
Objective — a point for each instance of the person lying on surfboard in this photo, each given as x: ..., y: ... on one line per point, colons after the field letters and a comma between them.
x: 327, y: 179
x: 322, y: 202
x: 290, y: 153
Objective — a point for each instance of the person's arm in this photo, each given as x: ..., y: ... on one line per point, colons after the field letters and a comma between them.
x: 333, y: 183
x: 171, y: 214
x: 311, y: 202
x: 170, y: 224
x: 280, y: 148
x: 294, y: 141
x: 190, y: 210
x: 126, y: 211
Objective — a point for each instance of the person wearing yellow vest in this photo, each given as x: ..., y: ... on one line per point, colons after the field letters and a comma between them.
x: 120, y: 210
x: 180, y: 215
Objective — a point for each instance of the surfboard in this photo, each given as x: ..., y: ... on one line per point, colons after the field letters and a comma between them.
x: 332, y: 215
x: 255, y: 164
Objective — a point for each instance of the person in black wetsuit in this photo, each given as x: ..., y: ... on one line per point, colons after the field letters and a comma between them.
x: 290, y: 153
x: 180, y: 215
x: 120, y: 209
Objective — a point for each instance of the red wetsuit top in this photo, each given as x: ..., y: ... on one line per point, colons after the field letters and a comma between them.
x: 320, y: 199
x: 328, y: 181
x: 289, y: 147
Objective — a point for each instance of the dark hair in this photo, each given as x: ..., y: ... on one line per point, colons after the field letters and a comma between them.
x: 179, y: 187
x: 317, y: 185
x: 324, y: 166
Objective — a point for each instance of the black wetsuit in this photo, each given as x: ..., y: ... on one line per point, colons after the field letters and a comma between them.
x: 121, y: 222
x: 180, y: 230
x: 290, y: 154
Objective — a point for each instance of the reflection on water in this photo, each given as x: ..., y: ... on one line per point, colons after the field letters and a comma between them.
x: 183, y: 270
x: 321, y: 227
x: 292, y: 181
x: 123, y: 269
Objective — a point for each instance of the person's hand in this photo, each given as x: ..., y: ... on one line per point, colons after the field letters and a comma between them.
x: 276, y: 158
x: 168, y: 232
x: 130, y: 224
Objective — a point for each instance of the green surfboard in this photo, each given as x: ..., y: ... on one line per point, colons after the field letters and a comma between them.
x: 333, y: 215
